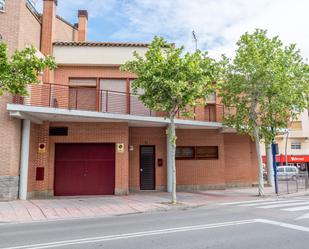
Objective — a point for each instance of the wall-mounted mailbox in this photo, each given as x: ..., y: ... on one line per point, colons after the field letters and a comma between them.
x: 39, y: 174
x: 160, y: 162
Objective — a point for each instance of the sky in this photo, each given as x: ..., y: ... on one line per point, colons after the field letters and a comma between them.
x: 218, y: 24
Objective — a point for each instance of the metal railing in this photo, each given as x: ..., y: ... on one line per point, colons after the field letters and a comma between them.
x: 108, y: 101
x: 288, y: 184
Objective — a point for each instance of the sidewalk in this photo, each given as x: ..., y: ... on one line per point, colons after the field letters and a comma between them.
x: 104, y: 206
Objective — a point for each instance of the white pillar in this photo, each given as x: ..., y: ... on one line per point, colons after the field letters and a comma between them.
x: 169, y: 162
x: 24, y: 160
x: 269, y: 165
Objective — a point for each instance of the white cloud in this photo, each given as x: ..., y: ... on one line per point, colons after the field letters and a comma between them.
x: 218, y: 23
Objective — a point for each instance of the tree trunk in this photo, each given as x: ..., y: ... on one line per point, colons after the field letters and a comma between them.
x: 259, y: 156
x: 270, y: 169
x: 172, y: 140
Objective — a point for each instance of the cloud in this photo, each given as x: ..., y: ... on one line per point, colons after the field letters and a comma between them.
x: 217, y: 23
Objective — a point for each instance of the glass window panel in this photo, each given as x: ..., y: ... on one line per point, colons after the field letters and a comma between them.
x: 185, y: 153
x: 206, y: 152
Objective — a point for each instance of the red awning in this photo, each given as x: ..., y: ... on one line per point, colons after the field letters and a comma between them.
x: 291, y: 159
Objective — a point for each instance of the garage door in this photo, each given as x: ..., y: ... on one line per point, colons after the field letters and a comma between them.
x: 84, y: 169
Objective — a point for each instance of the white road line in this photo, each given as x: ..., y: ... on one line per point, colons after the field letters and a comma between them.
x: 259, y: 201
x: 285, y: 225
x: 284, y: 205
x: 270, y: 203
x: 158, y: 232
x: 296, y: 209
x: 240, y: 202
x: 132, y: 235
x: 302, y: 217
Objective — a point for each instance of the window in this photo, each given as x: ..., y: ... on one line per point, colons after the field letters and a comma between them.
x: 296, y: 146
x: 211, y: 98
x: 83, y: 94
x: 296, y: 125
x: 210, y: 113
x: 58, y: 131
x: 291, y: 170
x: 280, y: 170
x: 2, y: 5
x: 114, y: 98
x: 206, y: 152
x: 185, y: 153
x: 197, y: 152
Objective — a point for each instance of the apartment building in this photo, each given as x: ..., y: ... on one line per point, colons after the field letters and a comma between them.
x: 294, y: 143
x: 83, y: 132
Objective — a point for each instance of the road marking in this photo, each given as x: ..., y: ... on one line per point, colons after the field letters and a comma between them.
x: 305, y: 216
x: 296, y: 209
x: 270, y: 203
x: 257, y: 202
x: 132, y: 235
x: 285, y: 205
x: 285, y: 225
x: 158, y: 232
x: 241, y: 202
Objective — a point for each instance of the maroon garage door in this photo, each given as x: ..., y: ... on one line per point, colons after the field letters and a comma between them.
x: 84, y: 169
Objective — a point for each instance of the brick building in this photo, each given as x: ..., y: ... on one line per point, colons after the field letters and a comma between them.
x: 82, y: 131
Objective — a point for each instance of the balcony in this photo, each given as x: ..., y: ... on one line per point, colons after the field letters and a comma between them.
x: 105, y: 101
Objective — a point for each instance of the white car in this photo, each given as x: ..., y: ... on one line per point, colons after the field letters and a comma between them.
x: 287, y: 172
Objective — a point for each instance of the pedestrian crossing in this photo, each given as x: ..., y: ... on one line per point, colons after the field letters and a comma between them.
x: 287, y: 205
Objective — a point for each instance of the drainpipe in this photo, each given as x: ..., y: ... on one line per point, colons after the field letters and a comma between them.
x: 24, y: 160
x: 169, y: 163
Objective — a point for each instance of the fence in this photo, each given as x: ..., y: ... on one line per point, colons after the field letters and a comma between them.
x: 108, y: 101
x: 288, y: 184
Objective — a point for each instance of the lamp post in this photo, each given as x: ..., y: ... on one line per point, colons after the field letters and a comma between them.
x: 286, y: 147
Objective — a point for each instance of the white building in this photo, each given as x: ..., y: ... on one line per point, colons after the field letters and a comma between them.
x: 295, y: 142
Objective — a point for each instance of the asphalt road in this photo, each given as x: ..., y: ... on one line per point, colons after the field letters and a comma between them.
x: 261, y: 224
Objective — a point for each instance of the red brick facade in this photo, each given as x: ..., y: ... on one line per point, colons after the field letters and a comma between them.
x: 235, y: 166
x: 78, y: 133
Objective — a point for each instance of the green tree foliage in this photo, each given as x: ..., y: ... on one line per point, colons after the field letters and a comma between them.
x: 265, y: 86
x: 21, y: 70
x: 172, y: 82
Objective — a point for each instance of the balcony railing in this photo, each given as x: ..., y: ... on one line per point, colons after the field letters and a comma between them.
x: 107, y: 101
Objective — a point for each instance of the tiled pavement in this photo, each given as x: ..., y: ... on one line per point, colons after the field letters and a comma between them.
x: 87, y: 207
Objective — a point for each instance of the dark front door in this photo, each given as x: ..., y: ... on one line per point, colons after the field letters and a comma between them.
x: 84, y: 169
x: 147, y: 167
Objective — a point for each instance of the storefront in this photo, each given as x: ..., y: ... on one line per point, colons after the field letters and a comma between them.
x: 300, y: 161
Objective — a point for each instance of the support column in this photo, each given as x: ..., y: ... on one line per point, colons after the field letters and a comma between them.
x: 169, y: 164
x: 269, y: 165
x: 24, y: 160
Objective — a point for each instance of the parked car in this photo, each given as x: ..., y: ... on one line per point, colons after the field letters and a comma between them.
x: 265, y: 176
x: 287, y: 173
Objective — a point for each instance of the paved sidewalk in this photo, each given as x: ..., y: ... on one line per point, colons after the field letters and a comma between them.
x: 90, y: 207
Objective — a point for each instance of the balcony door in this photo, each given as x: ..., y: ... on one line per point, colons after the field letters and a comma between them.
x: 136, y: 106
x: 210, y: 113
x: 113, y: 96
x: 82, y: 94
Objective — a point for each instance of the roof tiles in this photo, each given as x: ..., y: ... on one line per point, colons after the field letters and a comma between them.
x: 101, y: 44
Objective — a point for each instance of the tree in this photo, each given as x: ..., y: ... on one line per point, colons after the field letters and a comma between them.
x: 172, y: 82
x: 264, y: 86
x: 21, y: 70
